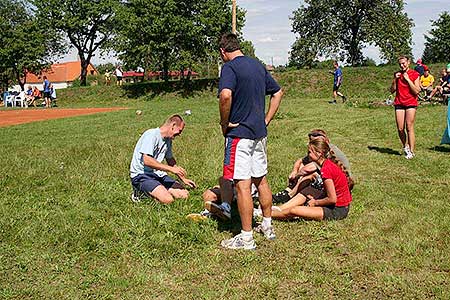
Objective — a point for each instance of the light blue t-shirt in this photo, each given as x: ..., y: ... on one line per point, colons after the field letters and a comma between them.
x: 151, y: 143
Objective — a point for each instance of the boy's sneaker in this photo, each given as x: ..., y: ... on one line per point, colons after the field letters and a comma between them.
x: 269, y: 232
x: 281, y: 197
x: 332, y: 102
x: 218, y: 210
x: 238, y: 242
x: 344, y: 99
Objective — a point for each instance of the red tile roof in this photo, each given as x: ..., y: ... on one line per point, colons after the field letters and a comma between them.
x: 63, y: 72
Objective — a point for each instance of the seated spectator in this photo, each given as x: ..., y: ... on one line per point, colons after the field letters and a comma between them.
x: 444, y: 84
x: 303, y: 172
x: 217, y: 201
x: 29, y: 97
x: 36, y: 93
x: 334, y: 201
x: 426, y: 81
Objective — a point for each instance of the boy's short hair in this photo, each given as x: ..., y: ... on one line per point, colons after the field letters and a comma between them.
x: 229, y: 42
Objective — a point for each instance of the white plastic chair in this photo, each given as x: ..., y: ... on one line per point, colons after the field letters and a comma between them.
x: 21, y: 98
x: 9, y: 99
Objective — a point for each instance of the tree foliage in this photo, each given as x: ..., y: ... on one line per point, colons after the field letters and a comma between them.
x: 341, y: 28
x: 25, y: 45
x: 89, y: 25
x: 437, y: 43
x: 172, y: 34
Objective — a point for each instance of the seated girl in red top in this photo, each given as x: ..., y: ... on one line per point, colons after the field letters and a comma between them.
x: 406, y: 85
x: 335, y: 205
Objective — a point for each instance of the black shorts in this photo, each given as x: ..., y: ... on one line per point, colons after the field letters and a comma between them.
x: 404, y: 107
x: 335, y: 212
x: 119, y: 78
x: 336, y: 87
x: 47, y: 94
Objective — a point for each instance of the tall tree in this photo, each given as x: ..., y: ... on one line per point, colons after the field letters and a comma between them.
x: 341, y: 28
x: 165, y: 34
x: 437, y: 43
x: 25, y: 46
x: 89, y: 25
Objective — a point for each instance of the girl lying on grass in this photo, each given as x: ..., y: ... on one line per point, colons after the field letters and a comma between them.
x: 334, y: 203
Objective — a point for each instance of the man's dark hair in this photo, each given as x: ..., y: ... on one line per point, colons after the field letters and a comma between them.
x: 229, y: 42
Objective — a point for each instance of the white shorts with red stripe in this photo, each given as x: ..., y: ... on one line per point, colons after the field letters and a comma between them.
x: 245, y: 158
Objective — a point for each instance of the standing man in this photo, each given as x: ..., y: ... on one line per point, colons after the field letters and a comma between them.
x: 148, y: 173
x: 337, y: 73
x: 243, y: 85
x: 107, y: 78
x: 47, y: 92
x: 119, y: 75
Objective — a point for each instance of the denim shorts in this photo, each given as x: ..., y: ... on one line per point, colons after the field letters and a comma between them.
x: 146, y: 183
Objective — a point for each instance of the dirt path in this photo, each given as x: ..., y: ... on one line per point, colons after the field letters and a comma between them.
x: 20, y: 116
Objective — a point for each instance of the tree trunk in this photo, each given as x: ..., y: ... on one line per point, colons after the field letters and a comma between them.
x: 21, y: 81
x: 83, y: 76
x: 166, y: 71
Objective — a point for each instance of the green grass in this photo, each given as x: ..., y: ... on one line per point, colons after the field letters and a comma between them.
x: 69, y: 231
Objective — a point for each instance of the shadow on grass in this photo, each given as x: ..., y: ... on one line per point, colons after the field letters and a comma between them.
x: 384, y: 150
x: 440, y: 149
x: 184, y: 88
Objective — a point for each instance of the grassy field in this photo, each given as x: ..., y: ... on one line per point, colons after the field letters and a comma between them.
x: 69, y: 231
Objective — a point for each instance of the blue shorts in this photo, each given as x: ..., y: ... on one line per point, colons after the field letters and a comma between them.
x: 146, y: 183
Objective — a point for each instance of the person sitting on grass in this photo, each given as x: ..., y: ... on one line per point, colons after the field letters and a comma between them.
x: 148, y: 173
x: 217, y: 201
x: 302, y: 174
x: 333, y: 203
x: 444, y: 84
x: 426, y: 82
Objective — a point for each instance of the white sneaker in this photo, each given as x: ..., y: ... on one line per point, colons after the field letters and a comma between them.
x: 257, y: 212
x: 238, y: 242
x: 406, y: 150
x: 410, y: 155
x: 269, y: 232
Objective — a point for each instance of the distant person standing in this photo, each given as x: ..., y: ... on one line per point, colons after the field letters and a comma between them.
x: 119, y: 75
x: 406, y: 85
x: 243, y: 85
x: 420, y: 67
x: 47, y: 92
x: 107, y: 78
x: 337, y: 82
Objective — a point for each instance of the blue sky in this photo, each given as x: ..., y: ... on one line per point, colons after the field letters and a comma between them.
x: 269, y: 28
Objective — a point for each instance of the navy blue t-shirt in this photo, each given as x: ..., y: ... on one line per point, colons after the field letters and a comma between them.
x: 249, y: 82
x: 337, y: 74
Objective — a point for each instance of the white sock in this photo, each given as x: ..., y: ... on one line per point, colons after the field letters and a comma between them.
x: 247, y: 235
x: 266, y: 222
x: 226, y: 206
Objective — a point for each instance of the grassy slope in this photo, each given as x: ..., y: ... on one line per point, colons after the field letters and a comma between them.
x: 69, y: 231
